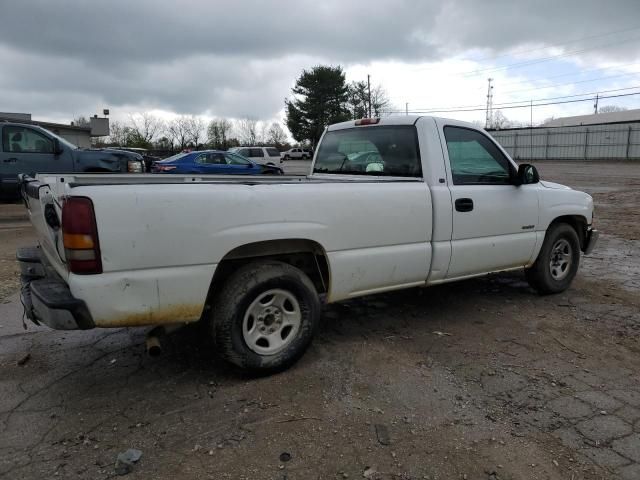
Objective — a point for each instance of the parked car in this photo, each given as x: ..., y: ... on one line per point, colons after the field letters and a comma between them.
x: 213, y: 162
x: 29, y: 149
x: 147, y: 158
x: 297, y: 154
x: 254, y: 258
x: 261, y: 155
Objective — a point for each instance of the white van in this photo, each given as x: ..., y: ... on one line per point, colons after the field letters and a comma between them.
x: 261, y: 155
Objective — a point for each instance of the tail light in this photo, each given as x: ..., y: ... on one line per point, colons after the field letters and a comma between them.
x: 80, y: 236
x: 367, y: 121
x: 165, y: 168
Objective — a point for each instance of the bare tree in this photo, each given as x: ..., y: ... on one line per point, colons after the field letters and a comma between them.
x: 195, y: 129
x: 499, y: 121
x: 225, y: 126
x: 276, y: 135
x: 178, y: 131
x: 358, y: 100
x: 247, y: 131
x: 81, y: 121
x: 118, y: 133
x: 146, y: 126
x: 380, y: 103
x: 218, y: 133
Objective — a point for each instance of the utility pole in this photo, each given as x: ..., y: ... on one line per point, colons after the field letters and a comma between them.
x: 531, y: 114
x: 595, y: 105
x: 406, y: 108
x: 369, y: 90
x: 489, y: 117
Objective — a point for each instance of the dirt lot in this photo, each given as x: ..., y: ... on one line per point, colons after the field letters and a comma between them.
x: 478, y: 380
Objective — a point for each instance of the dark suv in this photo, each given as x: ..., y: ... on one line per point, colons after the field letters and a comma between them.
x: 32, y: 149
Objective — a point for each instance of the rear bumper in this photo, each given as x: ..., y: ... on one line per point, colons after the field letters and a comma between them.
x: 46, y: 297
x: 591, y: 240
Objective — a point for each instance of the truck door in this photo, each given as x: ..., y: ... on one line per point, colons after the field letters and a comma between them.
x: 26, y: 150
x: 494, y: 220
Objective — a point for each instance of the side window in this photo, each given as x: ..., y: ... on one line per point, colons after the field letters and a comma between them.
x: 256, y: 152
x: 217, y: 158
x: 474, y: 159
x: 245, y: 152
x: 25, y: 140
x: 273, y: 152
x: 233, y: 159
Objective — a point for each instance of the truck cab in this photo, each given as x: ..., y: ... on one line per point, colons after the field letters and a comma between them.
x: 28, y: 149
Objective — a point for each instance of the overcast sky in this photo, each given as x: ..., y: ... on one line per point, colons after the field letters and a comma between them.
x: 240, y: 58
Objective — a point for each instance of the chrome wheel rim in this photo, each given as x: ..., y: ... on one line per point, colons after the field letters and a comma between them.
x: 561, y: 259
x: 271, y: 322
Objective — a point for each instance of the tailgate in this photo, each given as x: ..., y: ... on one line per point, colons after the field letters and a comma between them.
x: 45, y: 213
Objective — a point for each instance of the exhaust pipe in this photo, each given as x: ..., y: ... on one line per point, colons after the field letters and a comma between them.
x: 153, y: 345
x: 154, y: 349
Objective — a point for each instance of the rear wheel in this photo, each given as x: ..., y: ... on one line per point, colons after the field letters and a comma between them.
x: 558, y: 260
x: 265, y: 317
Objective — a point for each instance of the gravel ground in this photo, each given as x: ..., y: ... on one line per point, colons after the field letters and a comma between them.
x: 481, y: 379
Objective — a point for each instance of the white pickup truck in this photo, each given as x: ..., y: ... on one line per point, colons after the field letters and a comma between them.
x: 390, y: 203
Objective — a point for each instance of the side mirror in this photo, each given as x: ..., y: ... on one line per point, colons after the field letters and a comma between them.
x: 527, y: 174
x: 57, y: 147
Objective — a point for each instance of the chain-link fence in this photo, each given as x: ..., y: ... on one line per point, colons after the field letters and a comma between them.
x: 585, y: 142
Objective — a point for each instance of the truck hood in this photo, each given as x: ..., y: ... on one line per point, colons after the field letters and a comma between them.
x: 555, y: 186
x: 105, y: 158
x: 94, y: 153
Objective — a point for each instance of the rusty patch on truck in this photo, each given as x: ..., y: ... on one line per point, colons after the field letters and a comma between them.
x: 172, y: 314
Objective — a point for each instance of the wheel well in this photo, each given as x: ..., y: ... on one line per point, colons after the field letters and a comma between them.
x: 306, y: 255
x: 579, y: 224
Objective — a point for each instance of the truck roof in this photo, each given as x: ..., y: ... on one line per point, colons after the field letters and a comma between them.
x: 395, y: 120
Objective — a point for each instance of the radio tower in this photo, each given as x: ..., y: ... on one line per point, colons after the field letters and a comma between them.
x: 489, y: 118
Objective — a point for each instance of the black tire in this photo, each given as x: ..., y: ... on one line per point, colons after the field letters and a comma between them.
x: 286, y: 157
x: 304, y: 157
x: 546, y: 279
x: 241, y: 291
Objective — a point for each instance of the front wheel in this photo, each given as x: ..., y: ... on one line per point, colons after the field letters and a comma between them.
x: 265, y: 316
x: 558, y: 260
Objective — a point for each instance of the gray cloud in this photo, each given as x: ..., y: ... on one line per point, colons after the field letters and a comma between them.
x: 241, y: 58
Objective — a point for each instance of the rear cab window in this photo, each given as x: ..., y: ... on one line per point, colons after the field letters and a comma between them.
x: 380, y: 150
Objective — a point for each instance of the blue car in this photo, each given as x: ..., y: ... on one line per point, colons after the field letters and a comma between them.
x: 213, y: 162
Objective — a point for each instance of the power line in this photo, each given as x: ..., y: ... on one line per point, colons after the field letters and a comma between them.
x: 527, y: 105
x: 571, y: 83
x: 527, y: 101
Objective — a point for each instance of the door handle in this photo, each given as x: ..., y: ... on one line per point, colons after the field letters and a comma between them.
x: 464, y: 204
x: 10, y: 160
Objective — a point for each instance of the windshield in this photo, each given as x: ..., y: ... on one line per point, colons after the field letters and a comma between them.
x: 66, y: 143
x: 175, y: 157
x: 382, y: 151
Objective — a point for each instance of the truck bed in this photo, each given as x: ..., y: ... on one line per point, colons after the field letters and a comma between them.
x: 86, y: 179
